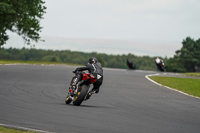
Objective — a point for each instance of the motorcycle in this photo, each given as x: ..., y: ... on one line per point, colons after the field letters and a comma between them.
x: 130, y: 64
x: 80, y: 92
x: 160, y: 66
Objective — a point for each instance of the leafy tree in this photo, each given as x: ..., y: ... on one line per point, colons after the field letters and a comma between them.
x: 189, y: 54
x: 173, y: 65
x: 22, y: 17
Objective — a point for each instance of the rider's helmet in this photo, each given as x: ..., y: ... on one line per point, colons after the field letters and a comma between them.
x: 93, y: 60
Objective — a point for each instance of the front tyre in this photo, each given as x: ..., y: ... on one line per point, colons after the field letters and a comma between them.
x: 68, y: 100
x: 79, y: 97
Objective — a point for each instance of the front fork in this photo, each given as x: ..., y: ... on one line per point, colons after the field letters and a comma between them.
x: 73, y: 90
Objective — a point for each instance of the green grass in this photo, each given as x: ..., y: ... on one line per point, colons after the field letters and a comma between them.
x: 8, y: 130
x: 187, y: 85
x: 192, y: 74
x: 32, y: 62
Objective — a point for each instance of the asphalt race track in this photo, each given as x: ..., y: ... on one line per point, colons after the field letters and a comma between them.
x: 33, y: 96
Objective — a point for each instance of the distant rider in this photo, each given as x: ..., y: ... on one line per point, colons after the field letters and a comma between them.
x: 95, y: 69
x: 160, y: 64
x: 159, y: 61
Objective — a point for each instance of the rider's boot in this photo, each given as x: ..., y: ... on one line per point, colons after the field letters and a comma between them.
x: 91, y: 92
x: 88, y: 96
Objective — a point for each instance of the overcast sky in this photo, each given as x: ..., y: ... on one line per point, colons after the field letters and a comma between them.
x: 140, y: 27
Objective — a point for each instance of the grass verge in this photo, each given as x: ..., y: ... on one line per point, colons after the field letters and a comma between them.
x: 187, y: 85
x: 8, y: 130
x: 33, y: 62
x: 192, y: 74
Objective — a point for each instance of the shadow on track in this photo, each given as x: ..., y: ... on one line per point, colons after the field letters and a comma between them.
x: 83, y: 106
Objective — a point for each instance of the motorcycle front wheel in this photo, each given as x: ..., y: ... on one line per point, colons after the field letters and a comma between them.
x: 68, y: 100
x: 79, y: 97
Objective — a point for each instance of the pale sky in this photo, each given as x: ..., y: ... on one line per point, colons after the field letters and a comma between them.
x: 140, y: 27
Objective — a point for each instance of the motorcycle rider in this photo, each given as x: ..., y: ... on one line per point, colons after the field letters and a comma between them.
x: 130, y: 64
x: 95, y: 69
x: 159, y: 61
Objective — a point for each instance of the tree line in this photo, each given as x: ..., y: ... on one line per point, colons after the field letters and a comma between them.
x: 75, y: 57
x: 187, y: 59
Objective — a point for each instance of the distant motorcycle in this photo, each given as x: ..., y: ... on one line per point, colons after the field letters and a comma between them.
x: 160, y: 66
x: 79, y: 94
x: 130, y: 64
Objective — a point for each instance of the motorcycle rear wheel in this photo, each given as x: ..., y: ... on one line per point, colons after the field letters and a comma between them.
x: 79, y: 97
